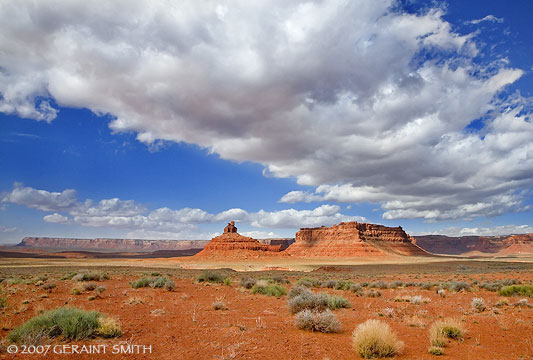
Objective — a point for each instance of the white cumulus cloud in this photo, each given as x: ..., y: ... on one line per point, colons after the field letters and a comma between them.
x: 340, y: 95
x: 485, y: 231
x: 56, y: 218
x: 166, y: 223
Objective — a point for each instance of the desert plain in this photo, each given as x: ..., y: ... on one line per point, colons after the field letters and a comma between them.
x: 186, y: 323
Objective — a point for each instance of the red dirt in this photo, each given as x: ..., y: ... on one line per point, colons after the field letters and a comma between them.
x: 260, y: 327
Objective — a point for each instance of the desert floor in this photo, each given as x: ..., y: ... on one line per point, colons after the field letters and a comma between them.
x: 182, y: 324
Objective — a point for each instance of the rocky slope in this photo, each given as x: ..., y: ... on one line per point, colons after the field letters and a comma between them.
x: 104, y: 244
x: 353, y: 239
x: 510, y: 244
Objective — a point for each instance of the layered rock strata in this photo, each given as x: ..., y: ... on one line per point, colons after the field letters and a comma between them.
x: 109, y: 244
x: 353, y: 239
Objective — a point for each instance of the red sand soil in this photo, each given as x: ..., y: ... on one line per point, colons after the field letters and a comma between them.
x: 182, y: 324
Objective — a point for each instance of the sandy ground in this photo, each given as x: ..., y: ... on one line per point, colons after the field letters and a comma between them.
x: 183, y: 325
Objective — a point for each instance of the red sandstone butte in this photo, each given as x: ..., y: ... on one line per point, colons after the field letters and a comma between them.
x: 353, y: 239
x: 232, y: 244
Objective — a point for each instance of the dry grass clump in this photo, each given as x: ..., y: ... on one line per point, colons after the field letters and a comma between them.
x: 442, y: 330
x: 415, y: 321
x: 321, y: 321
x: 219, y: 304
x: 375, y: 339
x: 436, y: 350
x: 68, y: 323
x: 108, y: 327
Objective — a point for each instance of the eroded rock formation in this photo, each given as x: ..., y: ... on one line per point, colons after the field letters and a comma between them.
x: 353, y: 239
x: 231, y: 243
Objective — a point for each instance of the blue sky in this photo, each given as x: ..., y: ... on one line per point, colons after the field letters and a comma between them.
x: 166, y: 122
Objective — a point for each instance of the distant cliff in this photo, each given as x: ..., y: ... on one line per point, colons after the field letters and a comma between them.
x: 110, y: 244
x: 509, y: 244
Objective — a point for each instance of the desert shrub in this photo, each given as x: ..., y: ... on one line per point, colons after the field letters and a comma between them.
x: 76, y: 291
x: 523, y: 303
x: 227, y: 281
x: 162, y: 282
x: 457, y: 286
x: 328, y: 284
x: 308, y: 301
x: 89, y: 286
x: 108, y: 327
x: 278, y: 279
x: 442, y: 329
x: 502, y: 302
x: 497, y: 284
x: 309, y: 282
x: 90, y: 276
x: 396, y: 284
x: 49, y: 287
x: 436, y: 350
x: 211, y: 277
x: 491, y: 286
x: 69, y: 323
x: 269, y: 290
x: 3, y: 302
x: 478, y: 304
x: 356, y: 288
x: 343, y: 285
x: 219, y: 305
x: 297, y: 290
x: 378, y: 285
x: 375, y: 339
x: 68, y: 276
x: 510, y: 290
x: 373, y: 293
x: 426, y: 286
x: 247, y: 283
x: 321, y: 321
x: 99, y: 291
x: 337, y: 302
x: 140, y: 283
x: 155, y: 282
x: 416, y: 299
